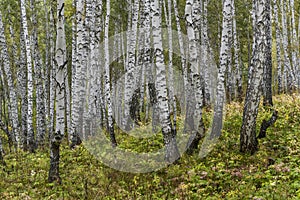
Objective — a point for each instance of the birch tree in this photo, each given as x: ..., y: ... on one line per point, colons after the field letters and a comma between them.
x: 72, y: 134
x: 195, y: 99
x: 170, y: 64
x: 30, y: 131
x: 268, y: 97
x: 182, y: 50
x: 60, y: 86
x: 52, y: 74
x: 288, y: 71
x: 278, y: 47
x: 47, y: 71
x: 148, y: 64
x: 110, y: 125
x: 93, y: 70
x: 12, y: 100
x: 248, y: 140
x: 22, y: 87
x: 78, y: 82
x: 268, y: 100
x: 224, y: 50
x: 37, y: 62
x: 236, y: 57
x: 130, y: 67
x: 205, y: 47
x: 172, y: 152
x: 294, y: 42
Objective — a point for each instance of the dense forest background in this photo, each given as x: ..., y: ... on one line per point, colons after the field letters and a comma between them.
x: 149, y: 99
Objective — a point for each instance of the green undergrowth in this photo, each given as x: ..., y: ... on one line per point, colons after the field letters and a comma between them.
x: 271, y: 173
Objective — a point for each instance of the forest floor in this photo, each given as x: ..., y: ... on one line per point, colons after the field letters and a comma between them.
x: 271, y: 173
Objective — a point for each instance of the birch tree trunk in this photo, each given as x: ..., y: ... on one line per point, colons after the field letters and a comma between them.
x: 195, y: 96
x: 99, y: 29
x: 248, y: 140
x: 149, y: 67
x: 40, y: 96
x: 172, y: 153
x: 229, y: 80
x: 278, y: 48
x: 47, y: 72
x: 182, y: 55
x: 289, y: 73
x: 236, y: 57
x: 268, y: 97
x: 30, y: 131
x: 52, y: 70
x: 13, y: 100
x: 205, y: 48
x: 170, y: 66
x: 93, y: 65
x: 268, y: 100
x: 60, y: 79
x: 78, y: 86
x: 130, y: 81
x: 294, y: 43
x: 110, y: 123
x: 224, y: 50
x: 74, y: 51
x: 22, y: 85
x: 60, y: 65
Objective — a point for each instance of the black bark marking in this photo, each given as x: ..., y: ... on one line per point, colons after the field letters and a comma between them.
x: 61, y: 9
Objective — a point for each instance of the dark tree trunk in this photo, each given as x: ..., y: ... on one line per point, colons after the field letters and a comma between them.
x: 195, y: 138
x: 266, y: 124
x: 112, y: 136
x: 268, y: 101
x: 54, y: 158
x: 75, y: 141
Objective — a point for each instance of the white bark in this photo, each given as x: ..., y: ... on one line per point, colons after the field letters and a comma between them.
x: 236, y: 57
x: 93, y: 69
x: 289, y: 73
x: 149, y: 67
x: 205, y: 55
x: 79, y: 89
x: 47, y: 73
x: 278, y: 48
x: 248, y: 141
x: 130, y: 81
x: 13, y: 100
x: 181, y: 46
x: 195, y: 99
x: 37, y: 65
x: 170, y: 66
x: 172, y: 153
x: 74, y: 51
x: 225, y: 48
x: 22, y: 86
x: 30, y: 131
x: 61, y: 64
x: 52, y: 70
x: 107, y: 78
x: 294, y: 43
